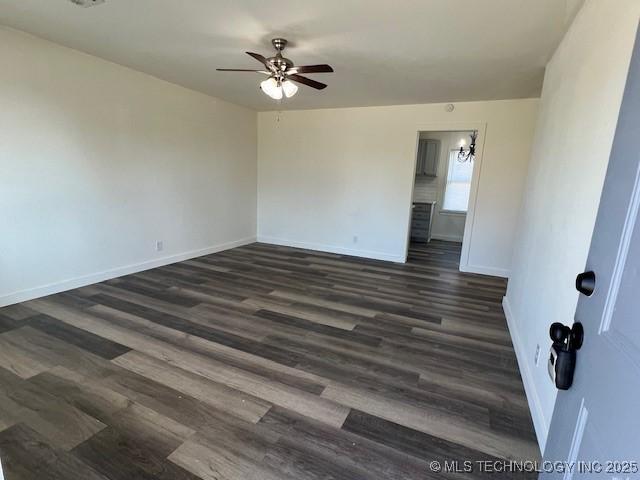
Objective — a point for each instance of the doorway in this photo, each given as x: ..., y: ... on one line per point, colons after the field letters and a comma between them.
x: 442, y: 191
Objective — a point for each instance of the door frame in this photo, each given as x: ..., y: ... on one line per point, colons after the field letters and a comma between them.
x: 467, y: 237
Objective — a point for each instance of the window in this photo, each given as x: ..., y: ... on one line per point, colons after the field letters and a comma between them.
x: 458, y: 186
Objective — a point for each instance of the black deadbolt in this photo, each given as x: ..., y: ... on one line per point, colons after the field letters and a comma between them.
x: 586, y: 283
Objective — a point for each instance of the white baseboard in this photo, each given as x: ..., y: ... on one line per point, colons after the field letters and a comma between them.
x: 332, y: 249
x: 83, y: 281
x: 446, y: 238
x: 494, y: 272
x: 533, y: 399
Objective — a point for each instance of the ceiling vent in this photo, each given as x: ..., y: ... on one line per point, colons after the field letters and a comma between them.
x: 87, y: 3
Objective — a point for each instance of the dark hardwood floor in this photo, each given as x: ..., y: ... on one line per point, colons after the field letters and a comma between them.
x: 264, y: 362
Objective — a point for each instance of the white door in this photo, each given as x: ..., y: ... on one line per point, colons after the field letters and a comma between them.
x: 595, y: 429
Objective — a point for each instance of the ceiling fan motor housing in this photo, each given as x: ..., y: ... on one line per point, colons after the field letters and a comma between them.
x: 278, y: 61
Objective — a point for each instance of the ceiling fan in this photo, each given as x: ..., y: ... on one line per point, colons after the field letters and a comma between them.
x: 282, y: 73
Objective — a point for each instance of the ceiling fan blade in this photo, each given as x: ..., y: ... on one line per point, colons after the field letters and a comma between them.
x: 324, y: 68
x: 241, y: 70
x: 306, y: 81
x: 261, y: 59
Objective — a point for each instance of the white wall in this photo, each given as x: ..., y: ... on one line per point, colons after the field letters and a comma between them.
x: 445, y: 225
x: 325, y: 176
x: 581, y: 98
x: 97, y: 162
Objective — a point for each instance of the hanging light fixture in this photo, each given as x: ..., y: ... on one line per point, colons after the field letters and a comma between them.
x: 470, y: 154
x: 272, y: 87
x: 289, y: 88
x: 276, y: 87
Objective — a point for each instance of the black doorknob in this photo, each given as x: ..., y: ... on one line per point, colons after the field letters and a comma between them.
x: 586, y: 283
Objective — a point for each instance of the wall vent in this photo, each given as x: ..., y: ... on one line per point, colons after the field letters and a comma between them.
x: 87, y: 3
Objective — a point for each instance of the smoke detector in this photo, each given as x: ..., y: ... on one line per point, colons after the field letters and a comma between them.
x: 87, y: 3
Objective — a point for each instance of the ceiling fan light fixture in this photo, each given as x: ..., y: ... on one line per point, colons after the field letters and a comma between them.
x: 272, y: 88
x: 289, y: 88
x: 282, y: 72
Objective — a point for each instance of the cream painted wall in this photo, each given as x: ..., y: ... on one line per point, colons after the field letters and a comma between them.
x: 328, y: 176
x: 445, y: 225
x: 98, y: 162
x: 581, y: 98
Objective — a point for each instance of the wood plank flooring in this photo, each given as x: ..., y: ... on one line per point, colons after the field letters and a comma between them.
x: 264, y: 362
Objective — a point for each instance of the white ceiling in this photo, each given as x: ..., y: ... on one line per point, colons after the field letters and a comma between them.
x: 384, y: 52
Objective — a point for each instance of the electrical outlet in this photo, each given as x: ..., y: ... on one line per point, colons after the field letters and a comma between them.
x: 355, y: 239
x: 159, y: 246
x: 537, y: 357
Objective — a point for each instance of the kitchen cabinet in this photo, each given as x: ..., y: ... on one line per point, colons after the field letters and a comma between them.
x: 428, y: 156
x: 421, y: 220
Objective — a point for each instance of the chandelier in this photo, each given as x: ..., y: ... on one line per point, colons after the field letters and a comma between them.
x: 470, y: 154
